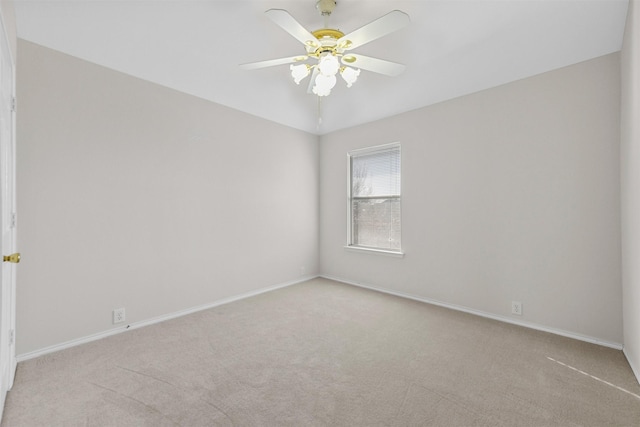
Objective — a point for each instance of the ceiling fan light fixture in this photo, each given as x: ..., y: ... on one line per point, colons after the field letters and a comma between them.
x: 349, y: 75
x: 328, y: 49
x: 328, y: 65
x: 324, y: 84
x: 299, y: 72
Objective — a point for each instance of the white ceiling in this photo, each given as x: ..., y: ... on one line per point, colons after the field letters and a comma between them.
x: 451, y: 48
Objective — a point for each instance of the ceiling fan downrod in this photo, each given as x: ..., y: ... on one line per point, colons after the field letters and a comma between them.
x: 325, y: 7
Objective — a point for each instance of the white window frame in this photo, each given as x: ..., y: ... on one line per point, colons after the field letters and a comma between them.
x: 366, y: 249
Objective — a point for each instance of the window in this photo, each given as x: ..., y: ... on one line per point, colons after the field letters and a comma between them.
x: 374, y: 198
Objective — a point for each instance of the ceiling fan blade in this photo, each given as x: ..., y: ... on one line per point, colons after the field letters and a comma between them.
x: 293, y: 27
x: 272, y: 62
x: 376, y: 65
x: 392, y: 21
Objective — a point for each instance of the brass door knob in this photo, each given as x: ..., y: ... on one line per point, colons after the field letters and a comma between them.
x: 15, y: 258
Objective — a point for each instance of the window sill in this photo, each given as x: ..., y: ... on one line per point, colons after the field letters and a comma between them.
x: 395, y: 254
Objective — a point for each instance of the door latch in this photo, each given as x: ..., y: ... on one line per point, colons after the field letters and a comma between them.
x: 14, y: 258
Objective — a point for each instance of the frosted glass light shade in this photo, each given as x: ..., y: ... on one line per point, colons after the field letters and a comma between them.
x: 324, y: 84
x: 328, y: 65
x: 299, y: 72
x: 350, y: 75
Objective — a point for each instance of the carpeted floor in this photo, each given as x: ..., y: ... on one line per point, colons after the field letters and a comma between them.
x: 324, y: 353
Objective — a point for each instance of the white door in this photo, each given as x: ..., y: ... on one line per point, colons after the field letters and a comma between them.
x: 7, y: 219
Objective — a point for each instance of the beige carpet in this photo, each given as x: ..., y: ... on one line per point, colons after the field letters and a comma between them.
x: 323, y: 353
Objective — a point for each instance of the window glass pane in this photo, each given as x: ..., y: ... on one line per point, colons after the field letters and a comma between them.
x: 376, y: 223
x: 376, y: 174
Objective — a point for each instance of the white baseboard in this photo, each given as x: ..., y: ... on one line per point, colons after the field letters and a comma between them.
x: 634, y: 368
x: 500, y: 318
x: 154, y: 320
x: 140, y: 324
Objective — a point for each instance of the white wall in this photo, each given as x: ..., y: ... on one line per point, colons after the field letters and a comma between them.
x: 630, y: 180
x: 134, y: 195
x: 508, y: 194
x: 9, y: 20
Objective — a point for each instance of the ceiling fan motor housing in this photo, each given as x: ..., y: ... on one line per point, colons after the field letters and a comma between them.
x: 327, y: 39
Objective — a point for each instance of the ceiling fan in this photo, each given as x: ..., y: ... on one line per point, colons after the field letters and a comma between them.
x: 328, y: 51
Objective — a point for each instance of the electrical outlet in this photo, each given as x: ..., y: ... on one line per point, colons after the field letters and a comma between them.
x: 118, y: 315
x: 516, y: 308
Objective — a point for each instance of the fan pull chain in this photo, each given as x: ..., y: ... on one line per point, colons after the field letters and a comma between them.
x: 319, y: 113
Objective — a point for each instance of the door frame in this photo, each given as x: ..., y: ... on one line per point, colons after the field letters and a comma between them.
x: 8, y: 197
